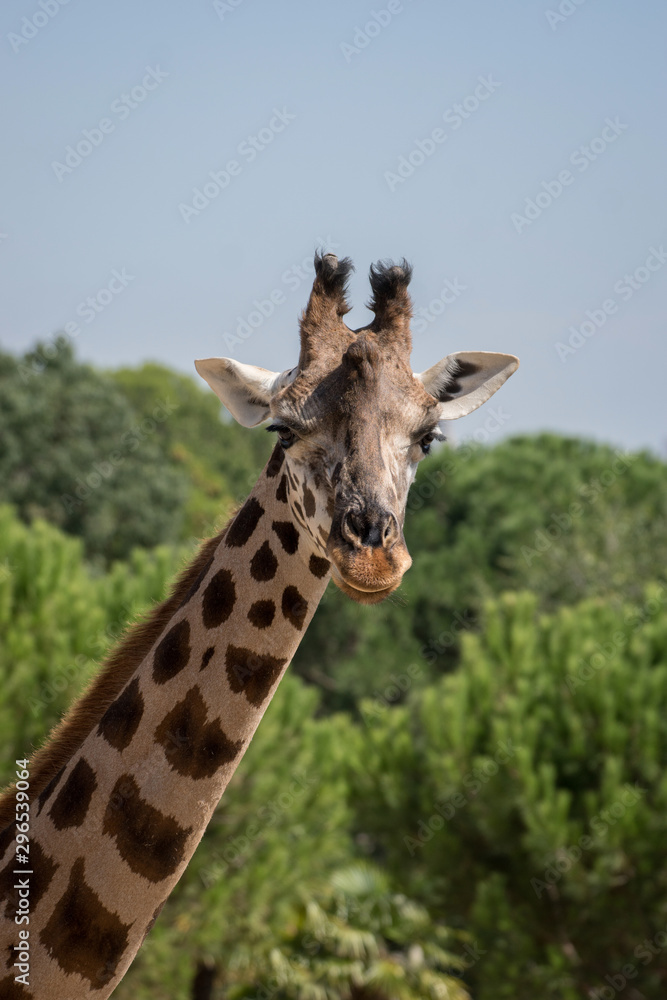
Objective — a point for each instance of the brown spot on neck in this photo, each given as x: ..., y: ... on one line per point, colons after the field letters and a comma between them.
x: 50, y: 788
x: 206, y: 657
x: 121, y: 719
x: 244, y: 524
x: 11, y: 990
x: 82, y: 936
x: 253, y: 673
x: 275, y: 463
x: 263, y: 564
x: 173, y: 652
x: 219, y: 599
x: 319, y: 567
x: 288, y: 535
x: 281, y: 492
x: 262, y: 613
x: 151, y: 923
x: 193, y: 747
x: 294, y: 607
x: 70, y: 805
x: 309, y: 502
x: 151, y: 843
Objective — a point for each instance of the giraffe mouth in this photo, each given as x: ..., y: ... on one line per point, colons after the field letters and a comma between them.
x: 360, y: 594
x: 367, y: 552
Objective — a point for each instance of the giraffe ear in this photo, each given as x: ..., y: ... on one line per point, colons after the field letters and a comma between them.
x: 465, y: 380
x: 245, y: 390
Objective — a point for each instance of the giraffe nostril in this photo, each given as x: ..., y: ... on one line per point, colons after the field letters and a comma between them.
x: 356, y: 524
x: 391, y: 531
x: 369, y: 529
x: 351, y: 528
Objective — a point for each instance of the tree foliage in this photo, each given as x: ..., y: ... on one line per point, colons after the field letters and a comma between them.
x: 352, y: 937
x: 58, y: 619
x: 525, y: 795
x: 220, y: 459
x: 487, y: 814
x: 127, y: 459
x: 73, y: 452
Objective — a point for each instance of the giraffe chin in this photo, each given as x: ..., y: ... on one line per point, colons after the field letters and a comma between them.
x: 362, y: 596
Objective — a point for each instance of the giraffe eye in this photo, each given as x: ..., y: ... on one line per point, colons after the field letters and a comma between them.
x: 286, y: 436
x: 426, y: 442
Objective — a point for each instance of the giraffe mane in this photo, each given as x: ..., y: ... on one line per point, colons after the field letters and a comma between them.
x: 118, y: 667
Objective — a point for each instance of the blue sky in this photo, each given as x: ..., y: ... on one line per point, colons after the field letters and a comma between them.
x: 318, y: 105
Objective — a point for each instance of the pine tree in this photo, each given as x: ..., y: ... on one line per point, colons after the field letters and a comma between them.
x: 527, y: 793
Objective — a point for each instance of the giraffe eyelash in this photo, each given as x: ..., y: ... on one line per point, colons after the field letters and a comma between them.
x: 426, y: 440
x: 286, y: 436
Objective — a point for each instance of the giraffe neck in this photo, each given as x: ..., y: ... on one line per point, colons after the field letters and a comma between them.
x: 113, y: 832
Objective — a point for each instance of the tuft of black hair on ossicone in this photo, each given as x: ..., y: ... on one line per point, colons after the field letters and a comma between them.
x: 387, y: 280
x: 332, y: 272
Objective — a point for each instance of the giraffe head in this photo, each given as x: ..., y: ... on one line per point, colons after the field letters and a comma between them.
x: 354, y: 421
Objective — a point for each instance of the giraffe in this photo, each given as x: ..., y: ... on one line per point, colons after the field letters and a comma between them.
x: 123, y: 789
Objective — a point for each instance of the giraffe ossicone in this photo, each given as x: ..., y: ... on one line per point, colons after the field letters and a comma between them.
x: 123, y: 789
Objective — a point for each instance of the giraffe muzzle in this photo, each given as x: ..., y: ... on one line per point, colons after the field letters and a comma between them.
x: 368, y: 553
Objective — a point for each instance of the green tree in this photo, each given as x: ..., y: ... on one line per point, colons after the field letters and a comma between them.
x: 73, y: 452
x: 58, y: 618
x: 562, y: 517
x: 524, y: 797
x: 221, y: 459
x: 352, y: 938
